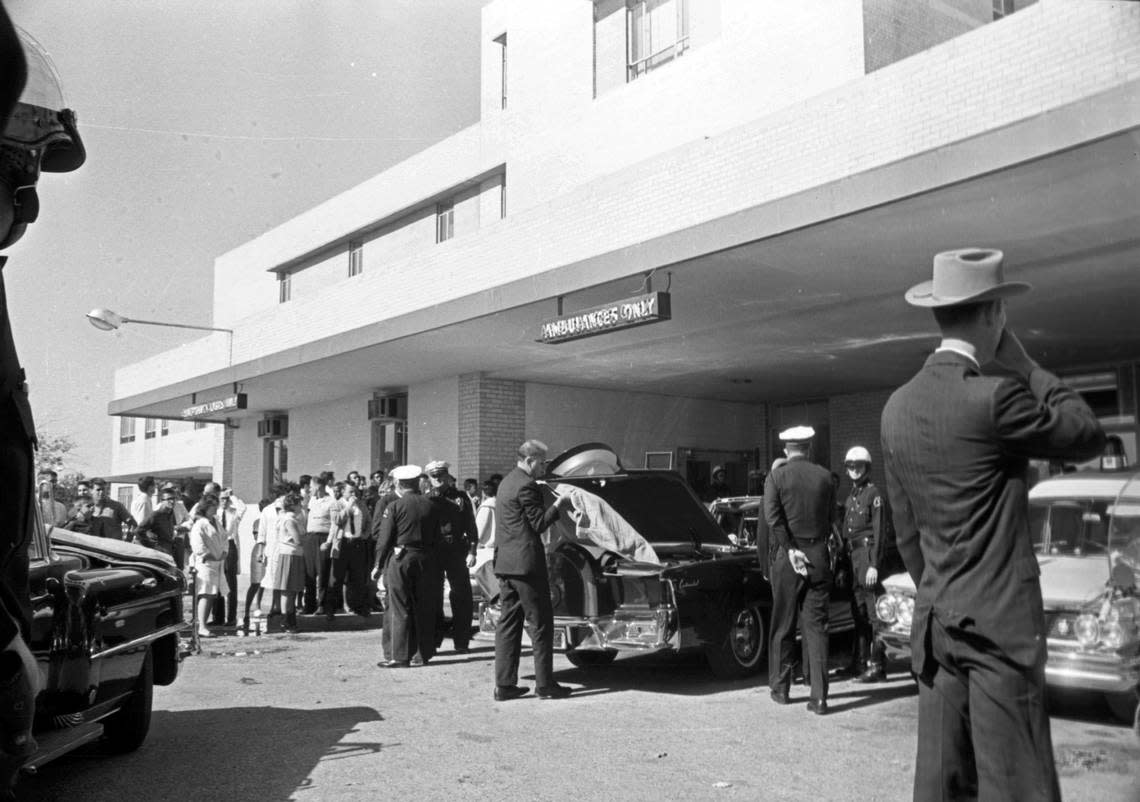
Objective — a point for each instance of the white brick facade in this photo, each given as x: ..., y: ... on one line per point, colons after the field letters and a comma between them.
x: 770, y: 100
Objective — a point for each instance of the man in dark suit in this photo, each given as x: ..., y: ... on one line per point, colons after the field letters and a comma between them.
x: 524, y: 586
x: 956, y: 446
x: 799, y: 504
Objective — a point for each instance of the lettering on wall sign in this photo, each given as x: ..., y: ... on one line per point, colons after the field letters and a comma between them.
x: 230, y: 402
x: 651, y: 307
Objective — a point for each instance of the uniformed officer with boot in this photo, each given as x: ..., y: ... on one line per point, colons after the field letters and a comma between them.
x: 37, y: 134
x: 458, y: 540
x: 866, y: 525
x: 799, y: 500
x: 407, y: 546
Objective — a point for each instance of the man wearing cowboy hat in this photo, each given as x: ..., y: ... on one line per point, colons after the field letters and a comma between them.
x: 956, y: 446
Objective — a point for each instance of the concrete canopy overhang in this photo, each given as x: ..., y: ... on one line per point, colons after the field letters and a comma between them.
x: 798, y: 298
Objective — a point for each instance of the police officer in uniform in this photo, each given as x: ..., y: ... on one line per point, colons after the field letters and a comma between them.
x: 407, y: 546
x: 458, y: 540
x: 799, y: 501
x: 37, y: 134
x: 865, y: 529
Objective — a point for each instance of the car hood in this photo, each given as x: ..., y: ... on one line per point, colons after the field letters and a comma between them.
x: 1072, y: 581
x: 1065, y: 581
x: 112, y: 552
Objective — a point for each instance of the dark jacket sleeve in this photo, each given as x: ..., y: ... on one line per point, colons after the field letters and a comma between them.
x: 534, y: 510
x: 774, y: 513
x: 385, y: 536
x: 1045, y: 419
x: 470, y: 530
x: 880, y: 510
x: 906, y: 529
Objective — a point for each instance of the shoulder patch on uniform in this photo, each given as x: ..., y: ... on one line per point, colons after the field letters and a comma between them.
x: 878, y: 501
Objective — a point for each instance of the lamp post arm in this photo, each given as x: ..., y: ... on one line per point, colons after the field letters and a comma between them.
x: 175, y: 325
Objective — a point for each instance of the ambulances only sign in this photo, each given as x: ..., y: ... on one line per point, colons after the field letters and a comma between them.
x: 637, y: 311
x: 227, y: 404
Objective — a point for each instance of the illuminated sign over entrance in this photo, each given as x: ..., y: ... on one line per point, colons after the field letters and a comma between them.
x: 637, y: 311
x: 227, y: 404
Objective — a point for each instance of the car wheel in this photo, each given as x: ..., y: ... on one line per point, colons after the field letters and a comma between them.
x: 126, y: 729
x: 1125, y: 707
x: 741, y: 653
x: 590, y: 659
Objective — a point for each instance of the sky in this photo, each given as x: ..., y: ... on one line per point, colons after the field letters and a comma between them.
x: 207, y: 124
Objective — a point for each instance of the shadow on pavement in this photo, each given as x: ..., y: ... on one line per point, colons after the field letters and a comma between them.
x: 853, y: 697
x: 263, y: 753
x: 680, y: 674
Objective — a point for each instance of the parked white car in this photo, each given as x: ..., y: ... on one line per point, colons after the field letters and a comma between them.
x: 1086, y: 532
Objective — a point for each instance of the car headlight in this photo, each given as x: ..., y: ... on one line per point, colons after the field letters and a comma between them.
x: 1087, y: 630
x: 906, y: 611
x: 885, y: 609
x: 1112, y: 635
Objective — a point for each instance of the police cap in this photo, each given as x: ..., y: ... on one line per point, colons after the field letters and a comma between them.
x: 797, y: 434
x: 405, y: 473
x: 436, y: 467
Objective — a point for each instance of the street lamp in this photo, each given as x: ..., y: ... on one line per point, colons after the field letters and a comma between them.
x: 106, y: 320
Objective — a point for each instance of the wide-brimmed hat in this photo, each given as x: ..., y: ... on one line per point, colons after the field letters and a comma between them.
x: 969, y: 275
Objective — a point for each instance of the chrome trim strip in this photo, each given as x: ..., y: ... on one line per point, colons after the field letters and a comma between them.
x: 134, y: 644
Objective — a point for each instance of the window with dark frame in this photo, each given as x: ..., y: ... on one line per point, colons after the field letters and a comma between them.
x: 444, y: 221
x: 284, y: 287
x: 1003, y: 8
x: 150, y: 428
x: 126, y: 430
x: 657, y: 32
x: 355, y: 258
x: 165, y: 427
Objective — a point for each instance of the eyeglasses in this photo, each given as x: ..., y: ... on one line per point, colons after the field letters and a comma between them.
x: 850, y: 465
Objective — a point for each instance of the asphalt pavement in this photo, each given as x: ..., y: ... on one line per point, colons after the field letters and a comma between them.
x: 310, y: 717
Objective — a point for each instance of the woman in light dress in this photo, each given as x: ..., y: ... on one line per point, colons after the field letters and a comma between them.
x: 207, y: 554
x: 285, y: 573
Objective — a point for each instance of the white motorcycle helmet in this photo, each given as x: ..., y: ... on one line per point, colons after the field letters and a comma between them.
x: 40, y: 134
x: 857, y: 462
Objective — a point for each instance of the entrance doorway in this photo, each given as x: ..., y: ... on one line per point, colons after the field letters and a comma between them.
x: 275, y: 464
x: 389, y: 444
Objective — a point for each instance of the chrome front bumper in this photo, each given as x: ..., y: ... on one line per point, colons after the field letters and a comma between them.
x: 1067, y: 667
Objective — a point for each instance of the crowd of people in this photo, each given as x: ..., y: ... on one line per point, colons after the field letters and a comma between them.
x: 314, y: 540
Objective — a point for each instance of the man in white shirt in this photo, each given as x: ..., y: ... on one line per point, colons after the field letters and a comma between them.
x: 142, y: 505
x: 230, y: 512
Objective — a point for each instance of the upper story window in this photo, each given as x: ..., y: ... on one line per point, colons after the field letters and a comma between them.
x: 502, y: 43
x: 126, y: 430
x: 165, y: 427
x: 657, y: 32
x: 355, y: 257
x: 150, y: 429
x: 284, y: 287
x: 444, y: 221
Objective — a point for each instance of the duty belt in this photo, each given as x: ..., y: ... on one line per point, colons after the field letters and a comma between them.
x: 808, y: 541
x: 857, y: 542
